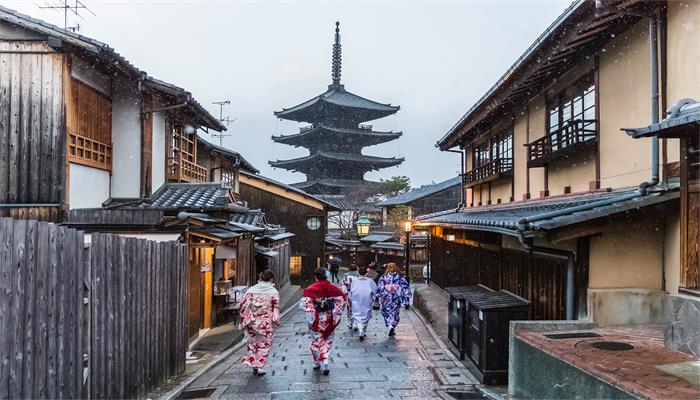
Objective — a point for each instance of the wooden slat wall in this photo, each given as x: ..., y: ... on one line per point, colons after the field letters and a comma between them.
x: 538, y: 278
x: 132, y: 330
x: 32, y: 138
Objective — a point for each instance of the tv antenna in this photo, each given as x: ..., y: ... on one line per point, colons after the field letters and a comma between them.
x: 226, y: 121
x: 72, y: 6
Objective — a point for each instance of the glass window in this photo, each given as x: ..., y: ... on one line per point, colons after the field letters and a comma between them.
x: 572, y: 114
x: 313, y: 223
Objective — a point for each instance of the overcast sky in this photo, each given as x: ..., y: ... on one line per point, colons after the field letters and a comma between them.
x: 432, y: 58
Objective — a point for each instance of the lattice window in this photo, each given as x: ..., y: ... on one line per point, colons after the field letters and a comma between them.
x: 89, y: 126
x: 295, y: 265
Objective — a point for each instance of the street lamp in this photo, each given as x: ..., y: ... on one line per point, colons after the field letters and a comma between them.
x: 363, y: 224
x: 407, y: 228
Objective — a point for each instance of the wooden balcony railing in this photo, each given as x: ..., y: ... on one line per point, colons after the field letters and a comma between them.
x: 90, y: 152
x: 571, y: 137
x: 488, y: 172
x: 181, y: 170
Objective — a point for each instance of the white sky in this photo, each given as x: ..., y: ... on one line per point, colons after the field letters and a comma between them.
x: 433, y: 58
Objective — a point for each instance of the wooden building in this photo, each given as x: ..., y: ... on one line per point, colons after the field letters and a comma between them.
x: 303, y: 214
x: 79, y: 124
x: 222, y: 164
x: 427, y: 199
x: 561, y: 207
x: 335, y: 136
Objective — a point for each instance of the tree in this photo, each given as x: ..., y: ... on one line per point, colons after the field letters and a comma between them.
x: 395, y: 186
x: 344, y: 222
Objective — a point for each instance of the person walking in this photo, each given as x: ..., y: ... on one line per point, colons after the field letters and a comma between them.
x: 392, y: 291
x: 259, y: 314
x: 362, y: 293
x: 335, y: 268
x: 323, y: 304
x: 348, y: 277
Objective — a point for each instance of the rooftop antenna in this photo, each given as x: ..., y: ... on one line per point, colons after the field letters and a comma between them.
x: 337, y: 56
x: 73, y: 6
x: 226, y: 121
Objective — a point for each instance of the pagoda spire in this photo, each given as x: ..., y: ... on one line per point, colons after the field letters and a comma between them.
x: 335, y: 70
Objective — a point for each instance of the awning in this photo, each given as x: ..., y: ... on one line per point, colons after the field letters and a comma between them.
x: 215, y: 233
x: 377, y: 237
x: 388, y: 246
x: 533, y: 218
x: 681, y: 120
x: 247, y: 227
x: 279, y: 236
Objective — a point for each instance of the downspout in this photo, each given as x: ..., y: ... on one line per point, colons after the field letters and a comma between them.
x: 570, y: 268
x: 461, y: 192
x: 654, y: 67
x: 142, y: 185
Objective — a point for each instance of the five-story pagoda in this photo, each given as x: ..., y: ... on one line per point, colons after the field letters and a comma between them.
x: 336, y: 136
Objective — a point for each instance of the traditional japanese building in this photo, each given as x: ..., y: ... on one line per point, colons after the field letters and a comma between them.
x: 336, y: 136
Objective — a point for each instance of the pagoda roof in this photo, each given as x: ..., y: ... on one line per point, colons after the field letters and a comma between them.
x: 329, y: 185
x: 319, y: 131
x: 337, y: 101
x: 360, y: 160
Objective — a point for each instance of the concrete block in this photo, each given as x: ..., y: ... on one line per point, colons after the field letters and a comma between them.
x: 627, y: 306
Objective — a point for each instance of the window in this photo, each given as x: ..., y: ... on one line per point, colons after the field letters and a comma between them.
x: 480, y: 155
x: 313, y: 223
x: 295, y: 265
x: 573, y: 110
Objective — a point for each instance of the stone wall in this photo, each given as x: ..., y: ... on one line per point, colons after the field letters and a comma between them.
x: 683, y: 334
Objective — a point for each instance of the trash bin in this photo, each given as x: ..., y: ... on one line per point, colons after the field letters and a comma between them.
x: 457, y: 314
x: 489, y: 318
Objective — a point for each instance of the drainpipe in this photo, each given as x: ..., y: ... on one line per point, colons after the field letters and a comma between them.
x: 570, y: 269
x: 654, y: 62
x: 461, y: 192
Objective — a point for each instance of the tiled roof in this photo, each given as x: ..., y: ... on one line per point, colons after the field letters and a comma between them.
x: 367, y: 162
x: 252, y: 217
x: 337, y: 97
x: 338, y: 200
x: 192, y: 196
x: 321, y: 131
x: 685, y: 112
x: 542, y: 215
x: 421, y: 192
x: 388, y: 246
x: 235, y: 157
x: 108, y: 55
x: 377, y: 237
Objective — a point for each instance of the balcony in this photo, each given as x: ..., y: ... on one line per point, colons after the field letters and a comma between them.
x: 89, y: 152
x: 489, y: 172
x: 575, y: 136
x: 181, y: 170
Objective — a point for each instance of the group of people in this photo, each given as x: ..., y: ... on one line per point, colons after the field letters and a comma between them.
x: 324, y: 305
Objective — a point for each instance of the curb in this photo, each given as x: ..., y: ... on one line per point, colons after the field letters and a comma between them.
x: 171, y: 395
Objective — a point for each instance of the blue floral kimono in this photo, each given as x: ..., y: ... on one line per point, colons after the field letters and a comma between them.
x: 392, y: 291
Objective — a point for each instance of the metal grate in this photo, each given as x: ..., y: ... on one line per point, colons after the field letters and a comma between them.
x: 196, y: 394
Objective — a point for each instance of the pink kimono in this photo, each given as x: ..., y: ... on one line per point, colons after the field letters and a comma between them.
x: 259, y: 313
x: 324, y: 305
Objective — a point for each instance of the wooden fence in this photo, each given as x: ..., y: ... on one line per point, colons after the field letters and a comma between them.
x: 99, y: 321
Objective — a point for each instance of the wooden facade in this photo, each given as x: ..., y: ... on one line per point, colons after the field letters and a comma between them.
x: 181, y: 160
x: 32, y: 134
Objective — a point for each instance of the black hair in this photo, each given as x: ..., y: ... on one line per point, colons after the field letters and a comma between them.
x: 353, y: 267
x: 266, y: 276
x: 320, y: 274
x: 363, y: 271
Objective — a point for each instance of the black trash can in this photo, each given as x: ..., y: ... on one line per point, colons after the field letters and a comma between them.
x: 489, y: 318
x: 457, y: 314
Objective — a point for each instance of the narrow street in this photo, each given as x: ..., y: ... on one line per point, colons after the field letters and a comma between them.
x: 411, y: 365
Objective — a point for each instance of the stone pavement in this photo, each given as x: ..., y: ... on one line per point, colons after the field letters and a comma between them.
x: 411, y: 365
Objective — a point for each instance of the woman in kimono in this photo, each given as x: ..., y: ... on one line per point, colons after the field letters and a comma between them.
x: 362, y: 293
x: 323, y: 304
x: 259, y: 314
x: 392, y: 291
x: 348, y: 277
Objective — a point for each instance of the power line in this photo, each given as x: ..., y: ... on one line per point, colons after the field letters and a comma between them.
x: 67, y: 6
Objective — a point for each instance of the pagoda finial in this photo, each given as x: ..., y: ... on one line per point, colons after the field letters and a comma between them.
x: 335, y: 71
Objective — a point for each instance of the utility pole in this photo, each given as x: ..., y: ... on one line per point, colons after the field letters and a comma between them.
x: 66, y: 5
x: 226, y: 121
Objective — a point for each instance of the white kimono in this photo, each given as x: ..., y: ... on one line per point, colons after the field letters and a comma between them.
x: 362, y: 293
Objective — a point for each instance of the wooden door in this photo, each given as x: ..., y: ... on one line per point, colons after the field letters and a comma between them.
x: 194, y: 295
x: 690, y: 212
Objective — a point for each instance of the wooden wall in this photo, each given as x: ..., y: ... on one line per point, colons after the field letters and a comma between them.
x: 445, y: 200
x: 121, y: 301
x: 32, y: 134
x: 310, y: 244
x: 279, y: 265
x: 538, y: 278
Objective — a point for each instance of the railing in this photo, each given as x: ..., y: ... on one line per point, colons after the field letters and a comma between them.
x: 307, y: 128
x: 568, y: 137
x: 488, y: 171
x: 90, y: 152
x: 180, y: 170
x: 365, y: 127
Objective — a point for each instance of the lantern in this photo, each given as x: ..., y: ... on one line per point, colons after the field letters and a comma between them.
x: 363, y: 224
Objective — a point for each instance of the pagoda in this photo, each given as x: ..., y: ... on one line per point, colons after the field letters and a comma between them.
x: 336, y: 136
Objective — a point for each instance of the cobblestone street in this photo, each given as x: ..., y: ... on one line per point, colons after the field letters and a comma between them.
x: 411, y: 365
